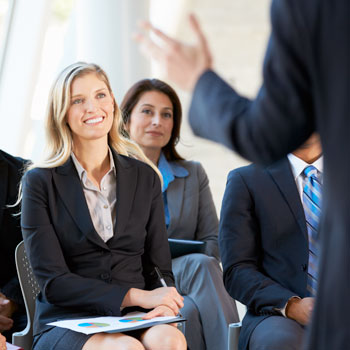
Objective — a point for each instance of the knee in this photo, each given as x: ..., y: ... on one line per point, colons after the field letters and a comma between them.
x: 288, y: 339
x: 173, y: 341
x: 133, y: 345
x: 164, y: 337
x: 202, y: 262
x: 271, y: 339
x: 105, y: 341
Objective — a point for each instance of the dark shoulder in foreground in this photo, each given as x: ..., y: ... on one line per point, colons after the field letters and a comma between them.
x: 37, y: 175
x: 13, y: 161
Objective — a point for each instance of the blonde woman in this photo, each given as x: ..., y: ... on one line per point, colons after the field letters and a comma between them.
x: 93, y: 223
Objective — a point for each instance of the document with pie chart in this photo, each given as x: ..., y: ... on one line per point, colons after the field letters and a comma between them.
x: 109, y: 324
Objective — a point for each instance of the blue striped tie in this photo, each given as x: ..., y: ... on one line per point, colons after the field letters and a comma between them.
x: 312, y: 200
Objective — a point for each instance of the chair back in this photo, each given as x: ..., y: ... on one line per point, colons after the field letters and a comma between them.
x: 30, y: 289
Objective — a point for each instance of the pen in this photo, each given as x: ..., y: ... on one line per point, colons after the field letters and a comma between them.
x: 160, y: 276
x: 162, y: 281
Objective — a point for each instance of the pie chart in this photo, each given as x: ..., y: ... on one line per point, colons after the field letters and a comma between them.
x: 93, y: 325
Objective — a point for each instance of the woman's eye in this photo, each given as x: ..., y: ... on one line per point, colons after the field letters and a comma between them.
x: 167, y: 115
x: 146, y: 111
x: 77, y: 101
x: 101, y: 95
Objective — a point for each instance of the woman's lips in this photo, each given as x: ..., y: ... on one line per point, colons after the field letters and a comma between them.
x: 94, y: 120
x: 154, y: 133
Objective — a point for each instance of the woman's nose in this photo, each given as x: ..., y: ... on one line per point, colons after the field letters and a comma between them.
x: 90, y: 105
x: 156, y: 119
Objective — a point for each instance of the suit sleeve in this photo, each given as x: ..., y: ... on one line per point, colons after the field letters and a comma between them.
x: 12, y: 289
x: 157, y: 252
x: 58, y: 285
x: 241, y: 252
x: 207, y: 221
x: 281, y: 117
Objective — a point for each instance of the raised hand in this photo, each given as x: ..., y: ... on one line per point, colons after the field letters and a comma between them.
x: 183, y: 64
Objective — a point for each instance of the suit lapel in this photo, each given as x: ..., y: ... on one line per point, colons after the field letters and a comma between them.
x: 126, y: 187
x: 3, y: 186
x: 71, y: 192
x: 175, y: 197
x: 282, y: 175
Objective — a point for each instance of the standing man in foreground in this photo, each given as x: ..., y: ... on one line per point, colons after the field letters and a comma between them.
x: 306, y: 88
x: 267, y: 246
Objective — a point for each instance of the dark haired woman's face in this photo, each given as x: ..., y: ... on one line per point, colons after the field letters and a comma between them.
x: 151, y: 121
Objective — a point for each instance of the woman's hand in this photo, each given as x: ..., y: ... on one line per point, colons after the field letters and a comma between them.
x: 150, y: 299
x: 160, y: 310
x: 167, y: 296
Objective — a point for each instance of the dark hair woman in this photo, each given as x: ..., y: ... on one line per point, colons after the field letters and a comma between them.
x: 152, y: 117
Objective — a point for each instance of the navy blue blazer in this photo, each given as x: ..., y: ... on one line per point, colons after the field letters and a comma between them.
x: 263, y: 241
x: 305, y: 88
x: 78, y: 273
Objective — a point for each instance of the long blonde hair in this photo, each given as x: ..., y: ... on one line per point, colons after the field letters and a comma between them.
x: 58, y: 134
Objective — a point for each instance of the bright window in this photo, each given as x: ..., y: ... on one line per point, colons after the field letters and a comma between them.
x: 5, y: 15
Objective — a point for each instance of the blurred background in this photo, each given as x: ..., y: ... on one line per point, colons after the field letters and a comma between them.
x: 38, y: 38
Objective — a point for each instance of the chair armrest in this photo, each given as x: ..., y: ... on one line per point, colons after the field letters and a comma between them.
x: 233, y: 334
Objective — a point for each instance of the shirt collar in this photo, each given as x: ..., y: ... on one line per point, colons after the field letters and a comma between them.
x: 82, y: 172
x: 170, y: 170
x: 298, y: 165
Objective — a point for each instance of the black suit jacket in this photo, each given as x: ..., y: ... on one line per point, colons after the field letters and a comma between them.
x: 79, y: 274
x: 10, y: 230
x: 306, y: 88
x: 263, y: 241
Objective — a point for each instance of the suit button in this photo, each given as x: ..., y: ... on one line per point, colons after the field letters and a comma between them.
x: 105, y: 276
x: 303, y: 267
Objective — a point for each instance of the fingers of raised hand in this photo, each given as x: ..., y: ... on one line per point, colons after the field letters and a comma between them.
x: 159, y: 47
x: 161, y: 35
x: 196, y: 28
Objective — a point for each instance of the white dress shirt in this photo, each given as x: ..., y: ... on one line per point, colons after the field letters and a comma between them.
x: 298, y: 166
x: 101, y: 202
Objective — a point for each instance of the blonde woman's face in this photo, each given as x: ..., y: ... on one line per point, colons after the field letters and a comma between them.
x: 151, y: 120
x: 90, y: 115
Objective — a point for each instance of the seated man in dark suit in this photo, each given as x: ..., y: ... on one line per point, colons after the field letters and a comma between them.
x: 12, y: 312
x: 268, y: 246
